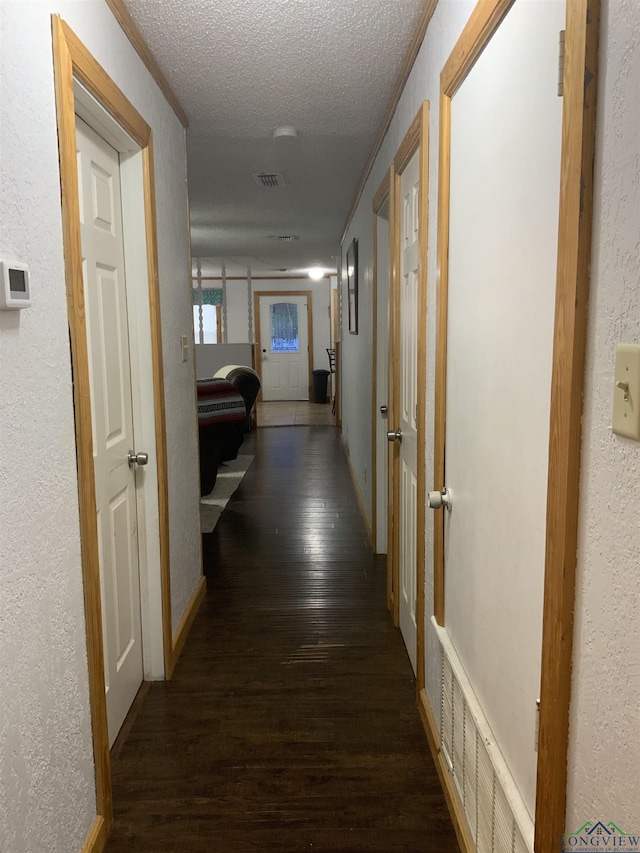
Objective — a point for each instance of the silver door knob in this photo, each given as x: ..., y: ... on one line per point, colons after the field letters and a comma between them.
x: 394, y: 435
x: 384, y: 410
x: 437, y: 500
x: 137, y: 458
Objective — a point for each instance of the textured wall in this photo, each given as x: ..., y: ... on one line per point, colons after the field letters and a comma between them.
x: 356, y: 362
x: 47, y: 798
x: 177, y: 320
x: 605, y: 718
x: 605, y: 729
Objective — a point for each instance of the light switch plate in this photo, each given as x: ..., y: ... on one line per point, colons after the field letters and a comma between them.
x: 626, y: 393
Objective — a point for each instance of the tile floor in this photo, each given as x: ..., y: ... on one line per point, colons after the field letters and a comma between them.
x: 294, y: 413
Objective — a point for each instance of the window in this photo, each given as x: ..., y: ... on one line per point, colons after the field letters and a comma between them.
x: 210, y: 310
x: 210, y: 323
x: 284, y: 327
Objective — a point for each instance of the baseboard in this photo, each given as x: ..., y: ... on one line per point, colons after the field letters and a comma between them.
x: 182, y: 631
x: 97, y: 837
x: 450, y: 793
x: 356, y: 486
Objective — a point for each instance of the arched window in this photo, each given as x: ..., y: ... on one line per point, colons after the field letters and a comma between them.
x: 284, y: 327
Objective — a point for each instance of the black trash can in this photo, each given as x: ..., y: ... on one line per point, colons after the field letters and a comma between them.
x: 320, y: 378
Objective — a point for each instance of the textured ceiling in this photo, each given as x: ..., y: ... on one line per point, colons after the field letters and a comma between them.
x: 240, y: 68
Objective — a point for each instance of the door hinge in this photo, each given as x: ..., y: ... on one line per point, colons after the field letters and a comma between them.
x: 561, y: 64
x: 537, y: 731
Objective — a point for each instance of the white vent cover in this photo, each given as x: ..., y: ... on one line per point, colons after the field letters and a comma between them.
x: 283, y: 238
x: 269, y: 180
x: 496, y: 814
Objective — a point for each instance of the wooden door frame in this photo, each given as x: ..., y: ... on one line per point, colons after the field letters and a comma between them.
x: 416, y: 138
x: 572, y: 287
x: 256, y: 315
x: 72, y: 61
x: 381, y: 197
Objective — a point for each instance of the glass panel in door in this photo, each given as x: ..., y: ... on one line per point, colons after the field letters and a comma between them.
x: 284, y: 335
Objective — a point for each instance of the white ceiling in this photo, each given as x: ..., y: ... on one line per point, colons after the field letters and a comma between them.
x: 241, y: 68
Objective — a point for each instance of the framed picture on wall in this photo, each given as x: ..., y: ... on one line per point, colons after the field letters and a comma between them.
x: 352, y: 286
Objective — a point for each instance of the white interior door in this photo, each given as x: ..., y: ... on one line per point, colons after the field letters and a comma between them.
x: 408, y: 388
x: 382, y: 378
x: 284, y: 347
x: 505, y: 176
x: 112, y: 418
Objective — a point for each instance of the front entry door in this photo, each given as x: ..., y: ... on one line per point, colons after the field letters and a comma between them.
x: 284, y: 347
x: 408, y: 408
x: 112, y: 417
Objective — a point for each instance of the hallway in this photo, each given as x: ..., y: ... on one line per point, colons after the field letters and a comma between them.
x: 294, y: 413
x: 291, y: 722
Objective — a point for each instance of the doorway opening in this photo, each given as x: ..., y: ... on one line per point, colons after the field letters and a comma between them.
x: 382, y: 240
x: 407, y: 398
x: 84, y: 89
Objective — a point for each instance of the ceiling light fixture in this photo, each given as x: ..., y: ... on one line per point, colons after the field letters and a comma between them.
x: 284, y: 131
x: 316, y: 273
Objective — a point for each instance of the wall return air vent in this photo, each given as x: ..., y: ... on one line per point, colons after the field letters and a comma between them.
x: 269, y: 180
x: 496, y: 814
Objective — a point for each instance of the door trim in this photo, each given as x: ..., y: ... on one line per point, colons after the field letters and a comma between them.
x: 569, y: 341
x: 72, y: 61
x: 256, y: 315
x: 130, y: 29
x: 416, y: 138
x: 380, y: 198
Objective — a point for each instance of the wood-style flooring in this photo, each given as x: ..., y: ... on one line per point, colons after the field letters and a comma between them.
x: 294, y: 413
x: 291, y: 722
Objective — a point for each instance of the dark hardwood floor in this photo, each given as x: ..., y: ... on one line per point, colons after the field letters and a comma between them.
x: 291, y: 721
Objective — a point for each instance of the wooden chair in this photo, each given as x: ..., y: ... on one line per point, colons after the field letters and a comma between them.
x: 332, y: 369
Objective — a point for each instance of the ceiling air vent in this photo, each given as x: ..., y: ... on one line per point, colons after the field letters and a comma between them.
x: 283, y: 238
x: 269, y: 180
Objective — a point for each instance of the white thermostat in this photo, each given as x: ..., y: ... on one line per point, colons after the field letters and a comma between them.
x: 14, y: 286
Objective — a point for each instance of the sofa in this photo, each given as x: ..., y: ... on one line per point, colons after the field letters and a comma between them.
x: 224, y: 416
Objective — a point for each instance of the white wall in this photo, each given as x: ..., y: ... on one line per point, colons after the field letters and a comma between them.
x: 47, y: 797
x: 211, y: 357
x: 238, y: 311
x: 604, y: 745
x: 356, y: 391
